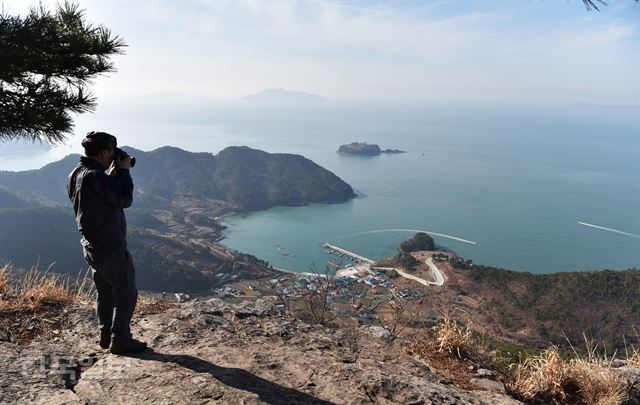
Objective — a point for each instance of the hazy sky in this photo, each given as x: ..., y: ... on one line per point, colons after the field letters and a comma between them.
x: 464, y: 50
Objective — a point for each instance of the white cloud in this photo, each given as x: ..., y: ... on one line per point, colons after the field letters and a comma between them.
x: 372, y: 50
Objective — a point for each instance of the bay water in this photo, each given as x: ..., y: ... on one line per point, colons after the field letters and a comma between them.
x: 530, y: 188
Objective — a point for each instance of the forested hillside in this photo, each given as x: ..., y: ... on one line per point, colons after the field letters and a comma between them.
x: 604, y: 305
x: 247, y: 178
x: 173, y: 228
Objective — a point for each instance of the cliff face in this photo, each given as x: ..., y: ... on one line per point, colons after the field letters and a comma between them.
x: 212, y: 351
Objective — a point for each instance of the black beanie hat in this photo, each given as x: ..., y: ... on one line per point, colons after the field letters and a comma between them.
x: 97, y: 141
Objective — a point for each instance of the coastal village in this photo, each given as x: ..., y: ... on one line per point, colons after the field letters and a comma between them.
x: 360, y: 287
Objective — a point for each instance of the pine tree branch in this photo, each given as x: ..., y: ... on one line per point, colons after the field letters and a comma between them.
x: 48, y: 62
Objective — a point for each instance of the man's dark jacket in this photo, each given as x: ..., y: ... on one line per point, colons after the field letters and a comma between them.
x: 98, y: 201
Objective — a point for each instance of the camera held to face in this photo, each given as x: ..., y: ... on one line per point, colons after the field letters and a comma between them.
x: 120, y: 154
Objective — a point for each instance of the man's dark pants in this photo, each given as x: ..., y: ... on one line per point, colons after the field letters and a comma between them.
x: 114, y: 277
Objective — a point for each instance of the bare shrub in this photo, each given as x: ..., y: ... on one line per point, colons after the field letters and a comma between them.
x: 278, y: 292
x: 317, y: 302
x: 402, y: 315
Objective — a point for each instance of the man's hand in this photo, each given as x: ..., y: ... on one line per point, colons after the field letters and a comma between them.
x: 112, y: 170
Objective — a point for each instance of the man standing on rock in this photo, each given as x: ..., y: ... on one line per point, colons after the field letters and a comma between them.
x: 99, y: 199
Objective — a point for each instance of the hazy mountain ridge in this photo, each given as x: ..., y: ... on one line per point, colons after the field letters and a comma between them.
x: 173, y: 228
x: 10, y: 199
x: 281, y: 96
x: 48, y: 183
x: 247, y: 178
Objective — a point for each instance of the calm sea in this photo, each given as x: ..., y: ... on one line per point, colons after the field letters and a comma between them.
x: 521, y: 183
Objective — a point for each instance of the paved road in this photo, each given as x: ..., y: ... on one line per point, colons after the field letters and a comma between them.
x: 412, y: 277
x: 436, y: 272
x: 439, y: 278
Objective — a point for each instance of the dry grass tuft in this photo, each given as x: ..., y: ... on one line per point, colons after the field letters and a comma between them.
x: 551, y: 379
x: 633, y: 355
x: 450, y: 339
x: 634, y: 360
x: 598, y: 384
x: 542, y: 376
x: 451, y: 352
x: 5, y: 285
x: 5, y: 288
x: 30, y: 303
x: 455, y: 339
x: 38, y: 288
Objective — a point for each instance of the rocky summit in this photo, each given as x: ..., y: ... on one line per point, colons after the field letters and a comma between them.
x: 207, y: 351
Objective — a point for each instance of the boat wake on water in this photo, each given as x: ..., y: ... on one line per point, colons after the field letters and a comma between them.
x: 412, y: 231
x: 633, y: 235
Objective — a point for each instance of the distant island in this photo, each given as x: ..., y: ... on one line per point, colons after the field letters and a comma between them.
x: 363, y: 148
x: 282, y: 96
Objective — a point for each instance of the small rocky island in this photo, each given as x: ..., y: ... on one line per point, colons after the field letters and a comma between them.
x: 363, y: 148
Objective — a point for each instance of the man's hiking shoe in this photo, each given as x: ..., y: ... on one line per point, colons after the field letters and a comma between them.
x: 127, y: 346
x: 105, y: 341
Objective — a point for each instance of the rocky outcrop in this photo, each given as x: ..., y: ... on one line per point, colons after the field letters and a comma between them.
x: 419, y: 242
x: 357, y: 148
x: 213, y: 351
x: 363, y: 148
